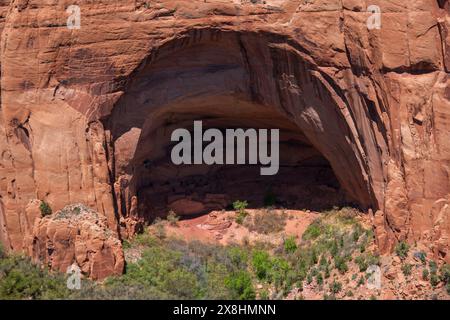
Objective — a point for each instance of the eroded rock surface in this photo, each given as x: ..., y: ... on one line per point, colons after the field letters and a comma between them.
x: 85, y: 113
x: 76, y: 234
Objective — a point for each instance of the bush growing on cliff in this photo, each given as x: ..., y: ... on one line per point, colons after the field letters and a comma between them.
x: 407, y: 269
x: 335, y: 287
x: 45, y: 209
x: 362, y: 263
x: 341, y: 264
x: 402, y: 249
x: 445, y: 273
x: 445, y: 276
x: 425, y: 274
x: 434, y: 280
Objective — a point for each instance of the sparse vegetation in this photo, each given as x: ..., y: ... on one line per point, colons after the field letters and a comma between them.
x: 313, y: 231
x: 267, y: 222
x: 406, y: 269
x: 290, y: 245
x: 422, y: 256
x: 160, y: 229
x: 445, y: 273
x: 168, y: 268
x: 434, y: 279
x: 45, y: 208
x: 240, y: 207
x: 402, y: 249
x: 425, y: 274
x: 362, y: 263
x: 335, y: 287
x: 172, y: 218
x: 445, y: 276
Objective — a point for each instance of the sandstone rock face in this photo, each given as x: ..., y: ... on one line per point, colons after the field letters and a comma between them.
x: 78, y: 235
x: 86, y: 113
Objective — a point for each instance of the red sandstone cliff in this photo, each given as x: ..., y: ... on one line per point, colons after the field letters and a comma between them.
x: 81, y: 108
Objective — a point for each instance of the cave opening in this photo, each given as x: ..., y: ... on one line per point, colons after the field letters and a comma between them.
x: 227, y: 80
x: 305, y: 178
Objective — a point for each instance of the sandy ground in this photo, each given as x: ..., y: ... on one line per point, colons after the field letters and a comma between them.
x: 221, y: 227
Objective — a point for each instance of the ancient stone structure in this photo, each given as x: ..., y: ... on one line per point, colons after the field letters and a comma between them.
x: 86, y: 114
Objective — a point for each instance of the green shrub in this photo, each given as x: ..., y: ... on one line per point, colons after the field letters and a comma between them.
x: 334, y: 250
x: 434, y: 279
x: 319, y: 279
x: 172, y: 218
x: 313, y: 231
x: 238, y: 258
x: 45, y: 208
x: 278, y: 274
x: 126, y: 244
x: 21, y: 279
x: 241, y: 285
x: 433, y: 267
x: 406, y: 269
x: 357, y: 232
x: 341, y: 264
x: 347, y: 216
x: 261, y: 264
x: 327, y: 273
x: 422, y: 256
x: 323, y: 261
x: 401, y: 249
x: 425, y: 274
x: 335, y: 287
x: 373, y: 260
x: 240, y: 207
x: 362, y: 263
x: 290, y: 245
x: 329, y: 297
x: 361, y: 281
x: 264, y: 295
x: 445, y: 273
x: 309, y: 278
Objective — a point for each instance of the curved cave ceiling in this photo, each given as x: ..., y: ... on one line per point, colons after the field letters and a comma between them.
x: 232, y: 80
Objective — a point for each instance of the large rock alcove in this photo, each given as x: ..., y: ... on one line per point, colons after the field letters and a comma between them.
x: 232, y: 80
